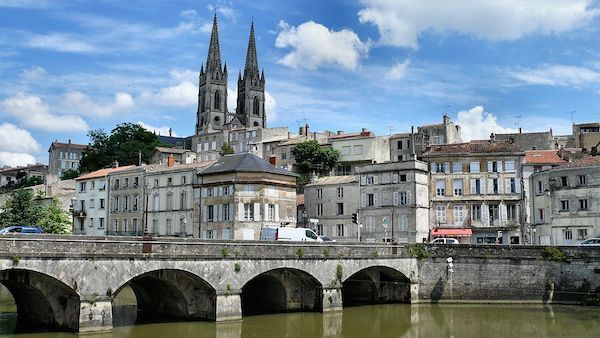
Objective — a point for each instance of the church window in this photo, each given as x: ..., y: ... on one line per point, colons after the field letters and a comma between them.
x: 217, y: 119
x: 255, y: 124
x: 256, y: 106
x: 217, y: 100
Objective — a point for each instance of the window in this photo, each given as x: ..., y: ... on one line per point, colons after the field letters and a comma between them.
x: 513, y: 185
x: 183, y: 200
x: 340, y: 192
x: 211, y: 213
x: 156, y: 182
x: 210, y: 192
x: 340, y: 230
x: 403, y: 178
x: 248, y: 212
x: 125, y: 228
x: 495, y: 186
x: 568, y: 234
x: 440, y: 187
x: 541, y: 215
x: 403, y: 222
x: 169, y: 231
x: 271, y: 212
x: 494, y: 166
x: 92, y: 203
x: 91, y: 221
x: 400, y: 144
x: 283, y: 156
x: 226, y: 190
x: 494, y: 214
x: 438, y: 139
x: 156, y: 202
x: 370, y: 200
x: 101, y: 222
x: 474, y: 167
x: 155, y: 226
x: 476, y: 186
x: 581, y: 180
x: 583, y: 204
x: 320, y: 229
x: 440, y: 214
x: 319, y: 193
x: 169, y: 180
x: 125, y: 203
x: 217, y: 101
x: 340, y: 209
x: 511, y: 212
x: 476, y: 212
x: 439, y: 167
x: 539, y: 187
x: 102, y: 203
x: 581, y: 234
x: 357, y: 150
x: 458, y: 187
x: 563, y: 181
x: 319, y: 209
x: 170, y: 201
x: 457, y: 167
x: 183, y: 180
x: 459, y: 215
x: 564, y: 205
x: 346, y: 150
x: 509, y: 166
x: 126, y: 182
x: 82, y: 186
x: 116, y: 203
x: 92, y: 185
x: 135, y: 202
x: 403, y: 198
x: 136, y: 181
x: 370, y: 180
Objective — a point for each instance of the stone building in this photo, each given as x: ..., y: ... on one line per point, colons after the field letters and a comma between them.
x: 358, y: 148
x: 535, y: 161
x: 91, y: 205
x: 63, y: 156
x: 10, y: 176
x: 394, y: 203
x: 530, y: 141
x: 242, y: 193
x: 587, y: 136
x: 172, y: 208
x: 565, y: 202
x: 181, y: 156
x: 475, y: 191
x: 126, y: 192
x: 332, y: 200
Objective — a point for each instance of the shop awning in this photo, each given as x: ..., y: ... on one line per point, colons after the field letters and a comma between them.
x: 452, y: 232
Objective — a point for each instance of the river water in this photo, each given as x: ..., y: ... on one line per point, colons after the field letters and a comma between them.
x: 395, y: 320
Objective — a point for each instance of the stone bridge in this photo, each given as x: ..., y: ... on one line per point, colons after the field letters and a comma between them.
x: 70, y: 283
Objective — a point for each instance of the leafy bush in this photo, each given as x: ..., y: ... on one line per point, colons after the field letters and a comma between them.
x: 554, y: 254
x: 418, y: 250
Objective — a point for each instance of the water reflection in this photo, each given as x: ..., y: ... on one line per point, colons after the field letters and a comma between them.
x: 397, y: 320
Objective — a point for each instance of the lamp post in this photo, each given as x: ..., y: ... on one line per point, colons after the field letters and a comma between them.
x: 72, y: 211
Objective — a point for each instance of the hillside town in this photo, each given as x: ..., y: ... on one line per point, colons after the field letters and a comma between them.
x: 411, y: 187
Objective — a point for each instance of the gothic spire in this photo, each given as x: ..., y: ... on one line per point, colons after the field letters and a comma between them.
x: 213, y: 61
x: 251, y: 58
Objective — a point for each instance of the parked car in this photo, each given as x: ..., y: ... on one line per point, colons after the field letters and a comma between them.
x: 443, y: 240
x: 288, y: 234
x: 21, y: 229
x: 591, y: 242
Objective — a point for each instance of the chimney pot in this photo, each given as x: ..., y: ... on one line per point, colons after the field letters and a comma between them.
x: 170, y: 161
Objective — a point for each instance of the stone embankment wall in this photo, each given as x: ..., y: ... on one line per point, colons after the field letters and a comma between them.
x: 510, y: 274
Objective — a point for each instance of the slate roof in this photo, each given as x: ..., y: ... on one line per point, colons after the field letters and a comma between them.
x: 171, y: 150
x: 542, y: 157
x: 245, y: 162
x: 474, y: 147
x: 589, y: 161
x: 60, y: 145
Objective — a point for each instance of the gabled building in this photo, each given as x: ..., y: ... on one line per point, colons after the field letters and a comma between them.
x: 476, y: 191
x: 63, y: 156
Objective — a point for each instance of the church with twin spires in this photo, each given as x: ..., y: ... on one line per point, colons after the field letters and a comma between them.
x: 213, y: 114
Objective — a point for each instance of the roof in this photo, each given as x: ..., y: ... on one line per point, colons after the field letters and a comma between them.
x: 360, y: 134
x: 335, y: 180
x: 60, y: 145
x: 245, y: 162
x: 589, y: 161
x: 474, y: 147
x: 542, y: 157
x: 171, y: 150
x: 102, y: 172
x: 163, y: 167
x: 398, y: 135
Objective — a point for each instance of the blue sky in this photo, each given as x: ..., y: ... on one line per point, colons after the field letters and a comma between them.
x: 70, y: 66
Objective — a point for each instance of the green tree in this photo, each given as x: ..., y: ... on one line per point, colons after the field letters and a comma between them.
x: 55, y: 220
x: 124, y: 144
x: 311, y: 156
x: 70, y: 174
x: 226, y: 149
x: 22, y: 208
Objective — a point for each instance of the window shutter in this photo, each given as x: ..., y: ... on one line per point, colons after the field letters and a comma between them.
x: 375, y: 199
x: 241, y: 211
x: 376, y: 179
x: 276, y: 212
x: 503, y: 213
x: 500, y: 187
x: 203, y: 192
x: 499, y: 166
x: 257, y: 211
x: 363, y: 200
x: 395, y: 178
x: 447, y: 167
x: 408, y: 198
x: 490, y: 166
x: 267, y: 212
x: 507, y: 185
x: 363, y: 180
x: 433, y: 167
x: 482, y: 190
x: 518, y: 185
x: 490, y: 186
x: 205, y: 213
x: 485, y: 215
x: 472, y: 184
x: 395, y: 197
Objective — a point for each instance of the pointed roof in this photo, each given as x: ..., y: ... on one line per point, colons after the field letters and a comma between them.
x: 245, y: 162
x: 213, y: 61
x: 251, y: 58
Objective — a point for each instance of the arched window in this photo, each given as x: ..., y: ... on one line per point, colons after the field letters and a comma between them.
x: 217, y: 99
x: 256, y: 106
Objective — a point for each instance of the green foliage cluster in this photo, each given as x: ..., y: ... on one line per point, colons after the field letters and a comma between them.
x: 554, y: 254
x: 300, y: 253
x: 418, y: 251
x: 23, y: 183
x: 124, y: 144
x: 311, y: 156
x: 69, y: 174
x: 226, y: 149
x: 25, y: 208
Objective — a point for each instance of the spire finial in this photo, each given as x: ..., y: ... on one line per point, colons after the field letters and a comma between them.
x: 213, y: 61
x: 251, y: 58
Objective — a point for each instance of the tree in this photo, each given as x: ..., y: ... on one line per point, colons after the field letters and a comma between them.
x: 311, y: 156
x: 70, y: 174
x: 55, y: 220
x: 22, y: 208
x: 125, y: 144
x: 226, y: 149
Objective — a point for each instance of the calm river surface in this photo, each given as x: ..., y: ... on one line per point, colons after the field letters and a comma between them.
x: 398, y: 320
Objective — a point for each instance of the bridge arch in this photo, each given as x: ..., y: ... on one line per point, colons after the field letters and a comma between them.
x: 168, y: 295
x: 44, y: 303
x: 282, y: 289
x: 378, y: 284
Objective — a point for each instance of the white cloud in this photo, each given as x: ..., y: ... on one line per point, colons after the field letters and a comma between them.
x: 34, y: 113
x: 315, y: 45
x: 33, y: 73
x: 476, y: 124
x: 182, y: 95
x: 60, y: 42
x: 558, y: 75
x: 223, y: 9
x: 81, y: 103
x: 401, y: 22
x: 15, y: 159
x: 398, y: 70
x: 16, y: 140
x: 270, y: 103
x: 164, y: 130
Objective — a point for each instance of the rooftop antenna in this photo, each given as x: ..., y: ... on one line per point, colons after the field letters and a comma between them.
x: 572, y: 112
x: 391, y: 129
x: 302, y: 121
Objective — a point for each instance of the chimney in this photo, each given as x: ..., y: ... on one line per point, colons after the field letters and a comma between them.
x: 340, y: 132
x: 492, y: 137
x: 446, y: 119
x: 69, y: 141
x: 363, y: 130
x: 520, y: 130
x: 115, y: 164
x: 170, y: 161
x: 170, y: 132
x: 273, y: 160
x: 306, y: 130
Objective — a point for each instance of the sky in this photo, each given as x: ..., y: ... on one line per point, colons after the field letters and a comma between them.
x: 68, y: 67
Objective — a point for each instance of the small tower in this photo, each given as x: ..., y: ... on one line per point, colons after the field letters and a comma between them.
x: 212, y: 94
x: 251, y: 89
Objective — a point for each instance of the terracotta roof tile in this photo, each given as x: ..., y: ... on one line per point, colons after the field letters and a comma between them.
x: 475, y: 146
x: 589, y: 161
x: 102, y: 172
x: 542, y: 157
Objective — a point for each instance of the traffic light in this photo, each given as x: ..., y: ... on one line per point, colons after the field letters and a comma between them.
x: 355, y: 218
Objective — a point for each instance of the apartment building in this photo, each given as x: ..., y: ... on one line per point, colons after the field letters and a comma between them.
x: 331, y: 201
x: 242, y: 193
x: 126, y: 202
x: 182, y: 156
x: 359, y: 148
x: 394, y: 203
x: 565, y: 202
x: 535, y: 161
x: 475, y: 191
x: 63, y: 156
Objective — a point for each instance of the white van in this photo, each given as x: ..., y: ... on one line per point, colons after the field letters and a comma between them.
x: 443, y: 240
x: 288, y: 234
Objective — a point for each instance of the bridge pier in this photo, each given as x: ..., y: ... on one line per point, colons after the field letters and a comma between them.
x: 332, y: 299
x: 229, y: 306
x: 95, y: 314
